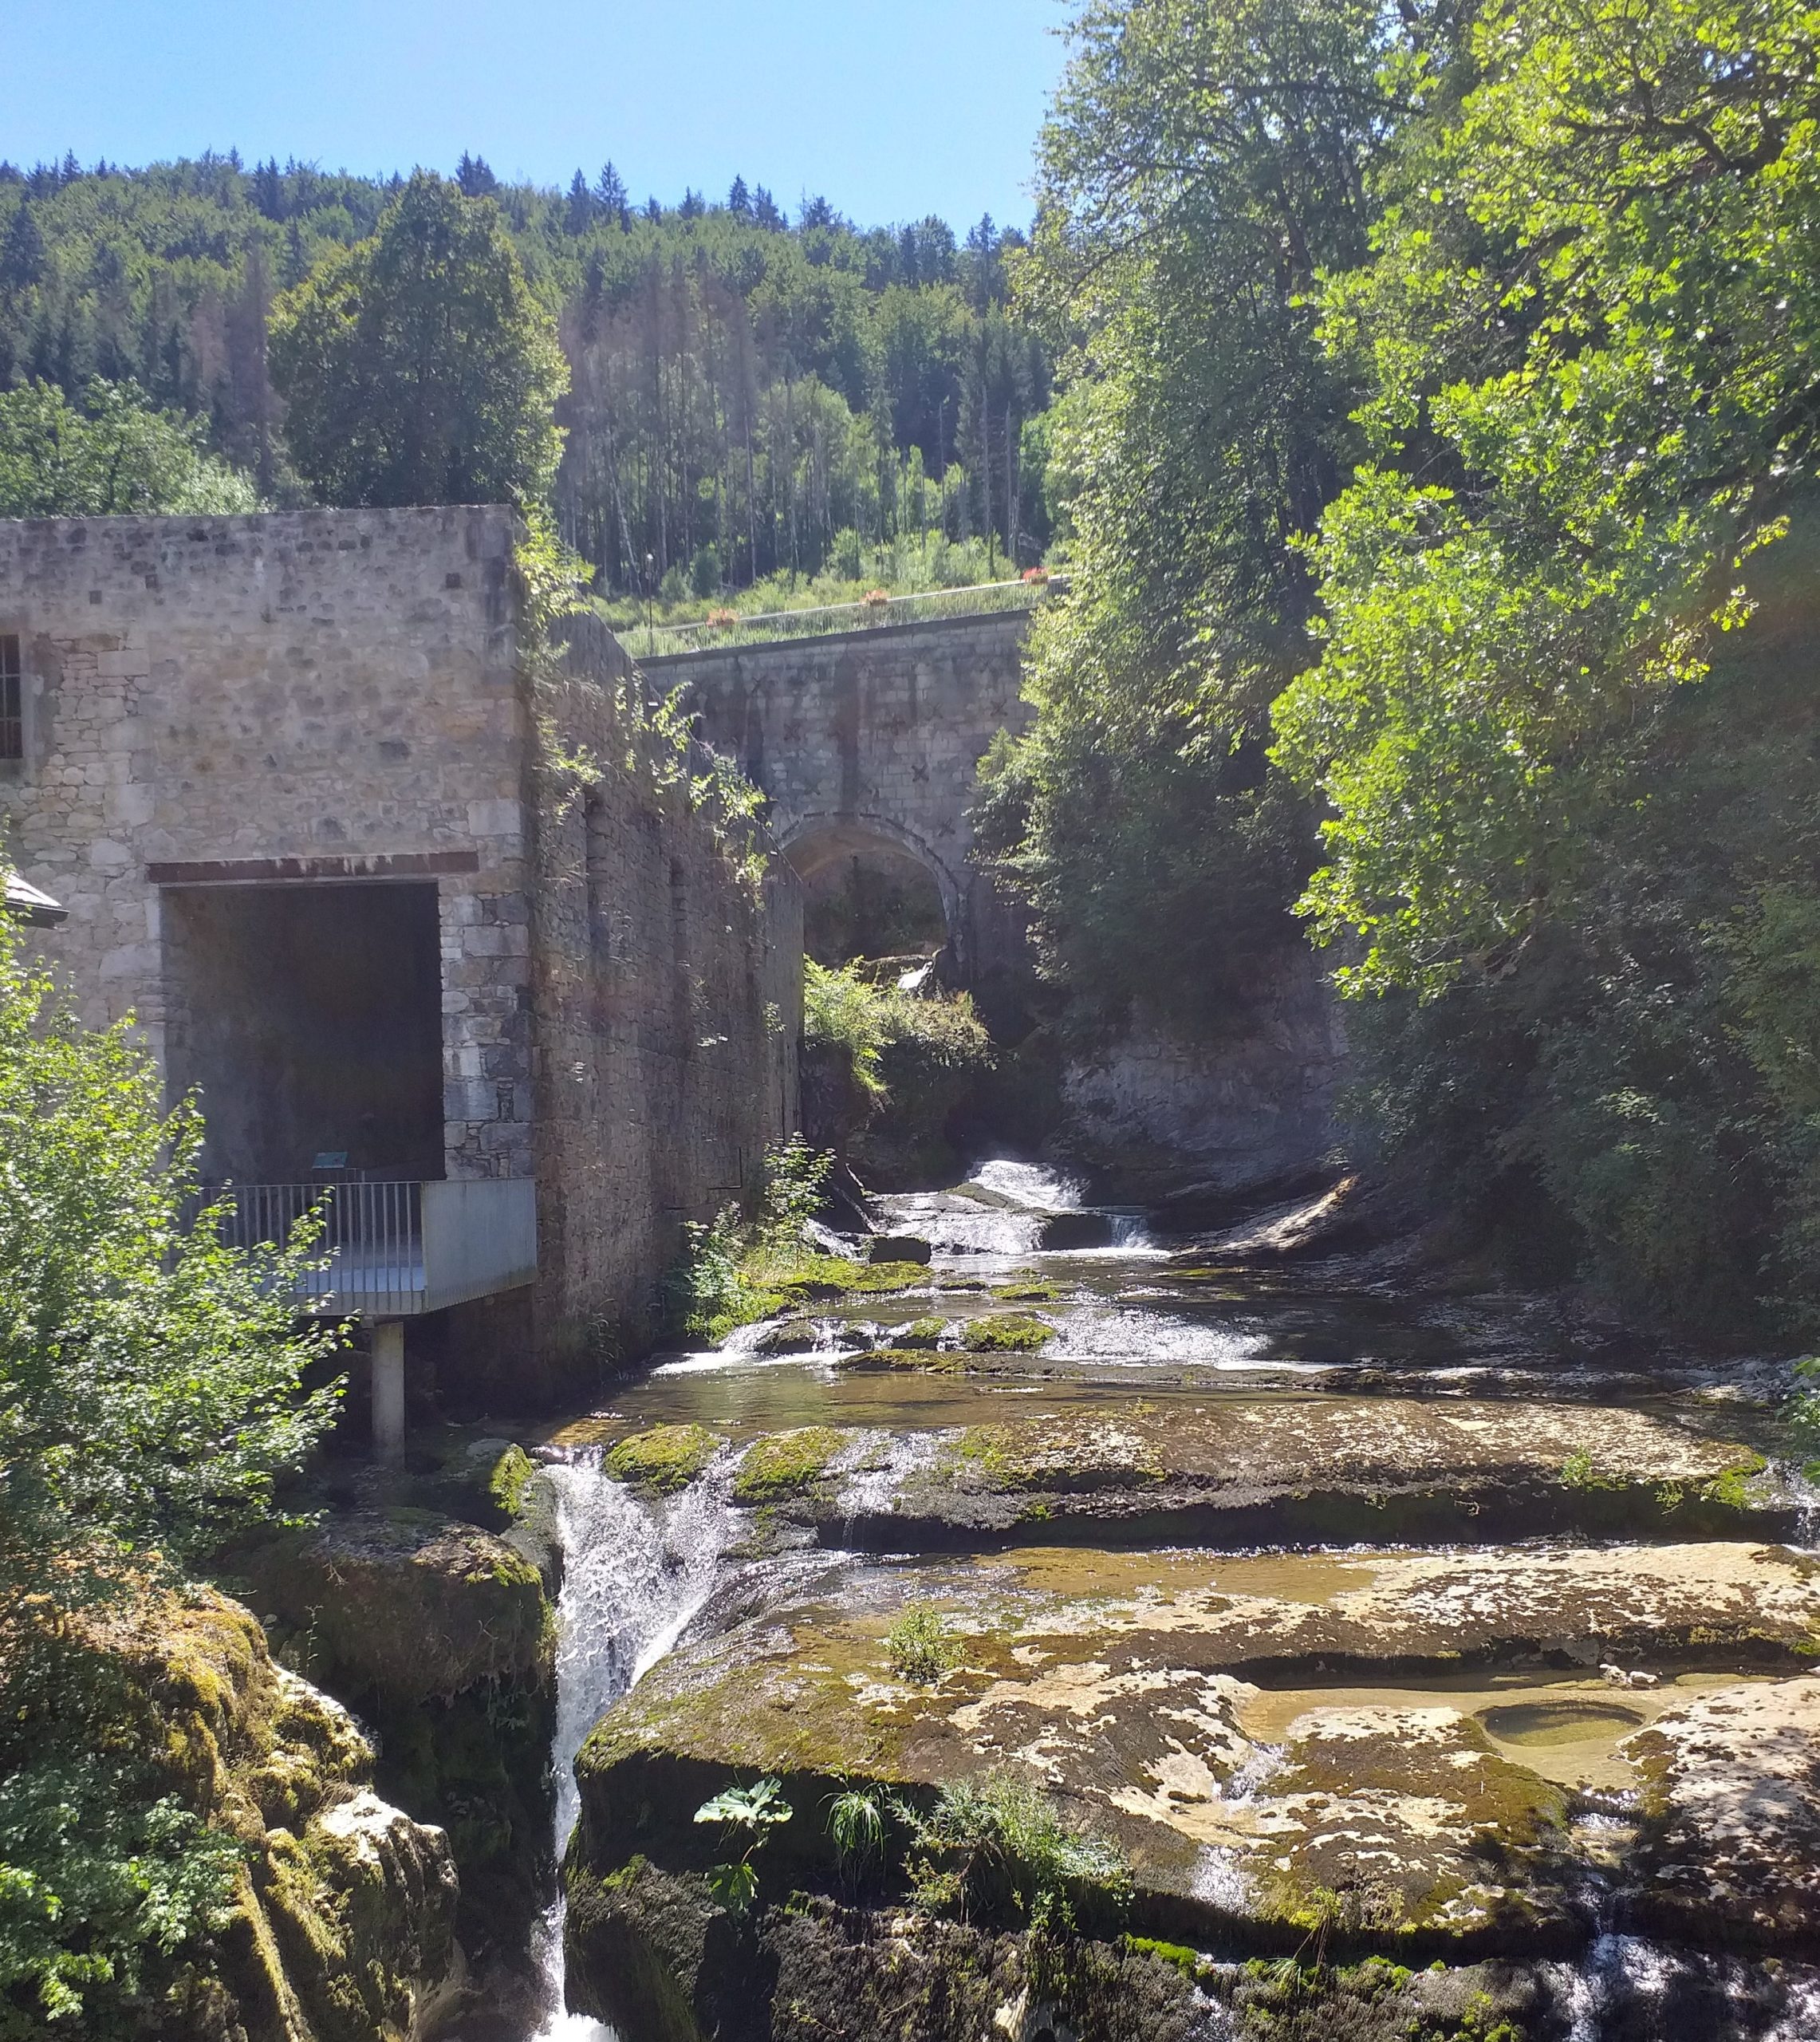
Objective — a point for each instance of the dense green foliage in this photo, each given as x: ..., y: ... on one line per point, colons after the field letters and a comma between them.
x: 886, y: 1037
x: 749, y: 397
x: 416, y: 367
x: 151, y: 1388
x: 1495, y: 469
x: 1201, y: 168
x: 1563, y: 715
x: 108, y: 455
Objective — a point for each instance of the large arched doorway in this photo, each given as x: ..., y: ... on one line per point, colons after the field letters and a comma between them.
x: 867, y: 894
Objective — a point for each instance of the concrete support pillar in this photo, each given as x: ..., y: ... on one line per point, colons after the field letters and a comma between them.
x: 389, y: 1388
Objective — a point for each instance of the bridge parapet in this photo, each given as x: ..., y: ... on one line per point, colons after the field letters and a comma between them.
x: 875, y: 734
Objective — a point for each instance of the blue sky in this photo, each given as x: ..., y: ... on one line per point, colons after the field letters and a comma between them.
x: 892, y: 112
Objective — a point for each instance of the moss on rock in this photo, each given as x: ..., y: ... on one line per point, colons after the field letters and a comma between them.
x: 1007, y: 1332
x: 784, y: 1464
x: 340, y: 1926
x: 879, y: 1360
x: 664, y: 1458
x: 442, y: 1635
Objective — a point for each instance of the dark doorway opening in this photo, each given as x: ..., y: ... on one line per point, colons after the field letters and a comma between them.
x: 310, y: 1019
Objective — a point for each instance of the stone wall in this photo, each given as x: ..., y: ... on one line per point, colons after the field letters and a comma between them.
x: 879, y: 733
x: 280, y: 701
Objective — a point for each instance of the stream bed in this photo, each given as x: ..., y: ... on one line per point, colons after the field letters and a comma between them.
x: 1419, y: 1626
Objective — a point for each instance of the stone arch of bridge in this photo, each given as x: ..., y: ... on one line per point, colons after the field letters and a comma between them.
x: 815, y: 844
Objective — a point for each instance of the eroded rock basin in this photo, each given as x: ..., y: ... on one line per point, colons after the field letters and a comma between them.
x: 1408, y: 1636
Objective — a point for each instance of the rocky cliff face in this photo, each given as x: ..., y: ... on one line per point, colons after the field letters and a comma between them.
x: 1150, y: 1114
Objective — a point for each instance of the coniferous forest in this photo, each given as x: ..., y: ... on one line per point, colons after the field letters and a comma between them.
x: 745, y: 395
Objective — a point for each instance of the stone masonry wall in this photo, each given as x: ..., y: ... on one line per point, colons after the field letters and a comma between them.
x: 667, y: 988
x: 880, y: 730
x: 323, y: 685
x: 338, y: 695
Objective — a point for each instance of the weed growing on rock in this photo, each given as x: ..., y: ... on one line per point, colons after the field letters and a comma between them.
x: 751, y: 1812
x: 1000, y: 1845
x: 1730, y: 1488
x: 918, y: 1645
x: 1801, y: 1413
x: 1579, y: 1471
x: 856, y: 1825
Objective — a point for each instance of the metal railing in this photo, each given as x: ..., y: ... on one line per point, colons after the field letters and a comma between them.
x: 765, y: 627
x: 394, y: 1247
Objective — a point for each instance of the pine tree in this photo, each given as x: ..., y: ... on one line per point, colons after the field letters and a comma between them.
x: 21, y: 254
x: 581, y: 214
x: 268, y: 189
x: 610, y: 191
x: 475, y: 179
x: 766, y: 210
x: 739, y: 199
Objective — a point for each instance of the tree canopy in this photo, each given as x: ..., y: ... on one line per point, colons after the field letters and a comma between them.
x: 749, y: 395
x: 111, y: 456
x: 1449, y: 376
x: 1201, y: 168
x: 417, y: 366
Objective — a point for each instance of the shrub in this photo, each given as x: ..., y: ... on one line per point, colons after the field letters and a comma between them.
x: 152, y: 1390
x: 734, y: 1270
x: 918, y: 1645
x: 1001, y: 1844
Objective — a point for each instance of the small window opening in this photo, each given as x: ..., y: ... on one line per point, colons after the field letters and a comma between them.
x: 12, y: 699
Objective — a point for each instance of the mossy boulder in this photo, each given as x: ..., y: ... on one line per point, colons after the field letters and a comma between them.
x: 441, y: 1636
x: 341, y: 1923
x: 1007, y: 1332
x: 885, y: 1361
x: 405, y: 1603
x: 785, y: 1463
x: 1319, y: 1469
x: 1244, y: 1728
x: 664, y: 1459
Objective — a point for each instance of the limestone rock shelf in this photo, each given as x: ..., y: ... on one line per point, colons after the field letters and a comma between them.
x: 1292, y: 1469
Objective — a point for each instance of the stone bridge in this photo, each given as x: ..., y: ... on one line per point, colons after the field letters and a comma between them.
x: 867, y: 745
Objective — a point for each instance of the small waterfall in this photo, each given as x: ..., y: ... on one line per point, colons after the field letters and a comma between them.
x: 635, y: 1575
x: 1630, y: 1985
x: 1028, y: 1185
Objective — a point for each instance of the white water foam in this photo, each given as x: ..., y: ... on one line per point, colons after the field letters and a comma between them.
x: 1118, y: 1334
x: 1629, y: 1980
x: 1028, y: 1185
x: 635, y: 1575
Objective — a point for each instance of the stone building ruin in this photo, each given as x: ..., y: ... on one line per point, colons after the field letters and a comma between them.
x: 428, y: 922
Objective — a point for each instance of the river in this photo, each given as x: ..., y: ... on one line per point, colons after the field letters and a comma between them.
x: 1154, y: 1342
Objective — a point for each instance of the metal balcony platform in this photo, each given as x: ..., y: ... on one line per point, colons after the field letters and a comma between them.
x: 394, y: 1249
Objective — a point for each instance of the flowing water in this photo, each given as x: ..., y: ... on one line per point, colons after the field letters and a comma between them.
x: 635, y: 1575
x: 1170, y: 1320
